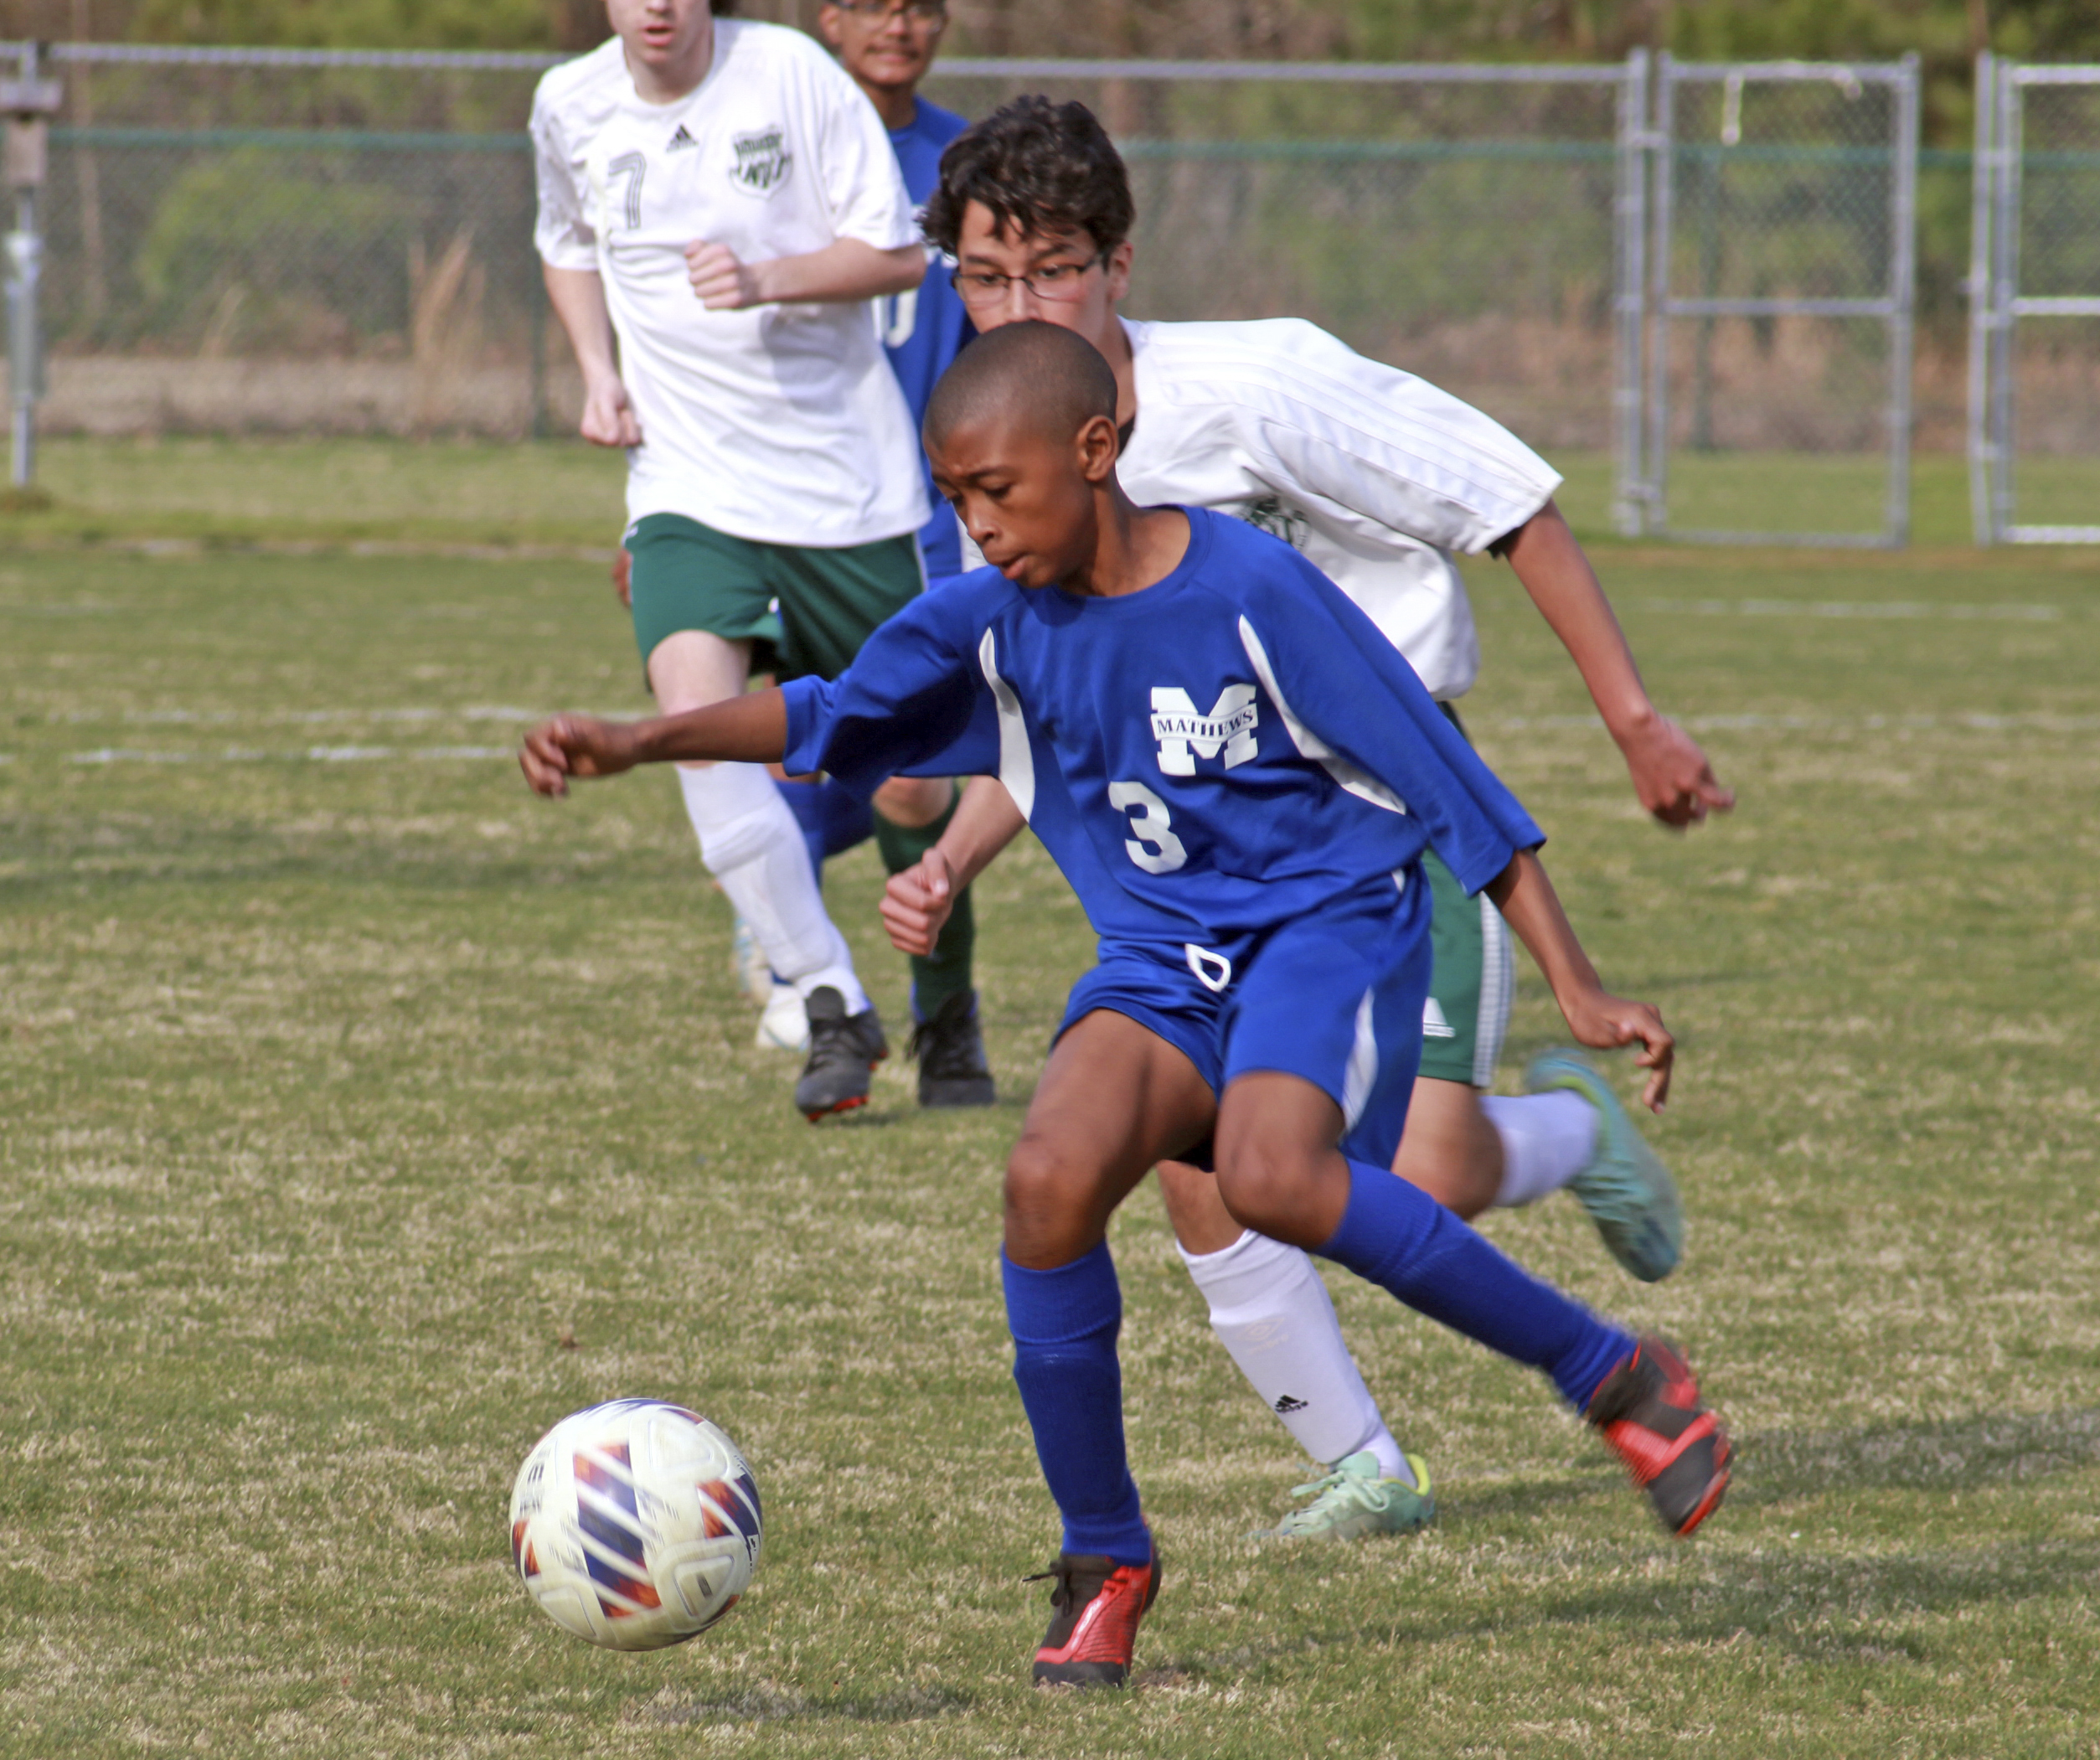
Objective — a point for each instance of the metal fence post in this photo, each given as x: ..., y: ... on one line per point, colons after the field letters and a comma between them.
x: 1978, y: 426
x: 1658, y: 422
x: 2004, y: 270
x: 2044, y: 124
x: 28, y: 103
x: 1629, y: 244
x: 1902, y: 302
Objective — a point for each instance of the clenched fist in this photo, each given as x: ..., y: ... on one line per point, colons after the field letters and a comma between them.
x: 574, y: 746
x: 719, y: 282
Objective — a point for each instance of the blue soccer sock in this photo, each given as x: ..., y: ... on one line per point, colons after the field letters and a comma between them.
x: 833, y: 818
x: 1399, y: 1237
x: 1065, y: 1323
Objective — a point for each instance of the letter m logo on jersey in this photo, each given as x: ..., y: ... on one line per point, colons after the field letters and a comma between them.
x: 1184, y: 735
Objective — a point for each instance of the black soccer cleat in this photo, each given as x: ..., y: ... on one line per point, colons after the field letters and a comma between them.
x: 844, y: 1051
x: 950, y: 1050
x: 1650, y: 1412
x: 1095, y: 1608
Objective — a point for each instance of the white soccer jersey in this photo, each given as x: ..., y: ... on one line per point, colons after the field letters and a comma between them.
x: 780, y: 423
x: 1375, y: 476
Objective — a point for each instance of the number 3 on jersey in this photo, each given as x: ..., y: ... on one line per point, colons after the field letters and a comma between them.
x: 1152, y: 844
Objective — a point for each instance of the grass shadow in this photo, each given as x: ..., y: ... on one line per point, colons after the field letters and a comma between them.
x: 761, y: 1705
x: 1807, y: 1606
x: 1957, y: 1454
x: 1779, y: 1466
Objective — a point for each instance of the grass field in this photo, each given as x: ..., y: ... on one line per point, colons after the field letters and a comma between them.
x: 363, y: 1115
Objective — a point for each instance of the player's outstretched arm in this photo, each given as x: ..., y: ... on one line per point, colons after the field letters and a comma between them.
x: 1528, y: 903
x: 750, y: 729
x: 1671, y: 775
x: 916, y: 902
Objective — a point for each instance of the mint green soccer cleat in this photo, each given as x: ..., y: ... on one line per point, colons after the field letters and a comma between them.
x: 747, y: 962
x: 1626, y: 1188
x: 1355, y: 1499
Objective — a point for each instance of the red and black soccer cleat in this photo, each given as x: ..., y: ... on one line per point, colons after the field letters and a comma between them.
x: 1095, y: 1609
x: 1650, y: 1412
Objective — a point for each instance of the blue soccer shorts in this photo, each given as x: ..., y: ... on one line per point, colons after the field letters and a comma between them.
x: 1335, y: 998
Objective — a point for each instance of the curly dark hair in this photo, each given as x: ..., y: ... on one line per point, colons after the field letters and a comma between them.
x: 1040, y: 166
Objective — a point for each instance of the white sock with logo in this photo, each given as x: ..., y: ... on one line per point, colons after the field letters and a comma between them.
x: 750, y: 844
x: 1547, y: 1139
x: 1272, y: 1314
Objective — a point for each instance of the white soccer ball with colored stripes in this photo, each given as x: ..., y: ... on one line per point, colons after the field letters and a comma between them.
x: 635, y: 1525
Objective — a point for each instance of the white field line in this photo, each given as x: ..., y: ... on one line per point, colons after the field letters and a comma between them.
x: 104, y: 755
x: 2040, y: 722
x: 437, y: 548
x: 1872, y: 609
x: 307, y: 717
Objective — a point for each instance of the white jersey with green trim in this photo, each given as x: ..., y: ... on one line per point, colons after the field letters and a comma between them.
x: 1375, y: 477
x: 781, y: 423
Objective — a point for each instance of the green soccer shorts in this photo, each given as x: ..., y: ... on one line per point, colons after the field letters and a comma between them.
x: 1472, y: 982
x: 805, y: 610
x: 1473, y: 977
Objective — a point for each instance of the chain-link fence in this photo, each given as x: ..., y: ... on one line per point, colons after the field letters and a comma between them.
x: 329, y: 242
x: 292, y: 241
x: 2035, y: 400
x: 1458, y: 221
x: 1784, y: 284
x: 313, y: 241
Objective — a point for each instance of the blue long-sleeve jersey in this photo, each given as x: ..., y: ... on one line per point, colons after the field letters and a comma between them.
x: 1232, y: 748
x: 924, y: 329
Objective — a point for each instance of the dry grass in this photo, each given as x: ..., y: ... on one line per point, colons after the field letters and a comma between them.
x: 341, y: 1091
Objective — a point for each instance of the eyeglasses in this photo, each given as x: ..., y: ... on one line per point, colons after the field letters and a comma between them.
x: 919, y: 12
x: 1057, y: 282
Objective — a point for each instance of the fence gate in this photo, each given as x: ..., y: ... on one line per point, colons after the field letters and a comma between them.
x: 1782, y: 277
x: 2033, y: 398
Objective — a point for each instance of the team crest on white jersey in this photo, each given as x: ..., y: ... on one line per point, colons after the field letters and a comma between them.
x: 763, y: 160
x: 1185, y: 734
x: 1272, y: 515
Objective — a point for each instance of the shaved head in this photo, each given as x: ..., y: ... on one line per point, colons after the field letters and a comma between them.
x: 1048, y: 379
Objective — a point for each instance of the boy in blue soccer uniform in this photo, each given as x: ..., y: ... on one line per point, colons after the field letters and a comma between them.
x: 1253, y: 871
x: 887, y: 47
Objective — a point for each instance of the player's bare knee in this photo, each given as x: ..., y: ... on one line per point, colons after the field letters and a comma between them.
x: 914, y: 802
x: 1458, y: 1188
x: 1045, y: 1194
x: 1200, y: 1221
x: 1265, y: 1185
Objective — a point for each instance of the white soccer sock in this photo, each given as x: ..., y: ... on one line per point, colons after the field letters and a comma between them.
x: 1271, y: 1312
x: 750, y: 844
x: 1547, y: 1139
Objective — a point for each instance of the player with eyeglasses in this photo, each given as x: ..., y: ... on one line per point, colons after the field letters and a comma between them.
x: 982, y: 289
x: 1377, y: 479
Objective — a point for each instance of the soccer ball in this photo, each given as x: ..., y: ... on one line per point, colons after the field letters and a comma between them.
x: 635, y: 1525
